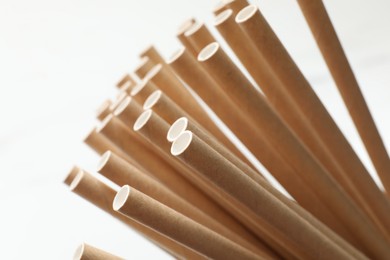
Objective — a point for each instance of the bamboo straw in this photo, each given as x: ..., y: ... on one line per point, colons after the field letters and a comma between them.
x: 104, y: 110
x: 126, y: 78
x: 71, y: 175
x: 283, y: 104
x: 194, y: 75
x: 150, y: 212
x: 181, y: 125
x: 87, y: 252
x: 143, y: 68
x: 101, y: 195
x: 337, y: 62
x: 122, y: 173
x: 143, y: 90
x: 280, y: 223
x: 184, y: 40
x: 199, y: 36
x: 256, y: 27
x: 268, y: 123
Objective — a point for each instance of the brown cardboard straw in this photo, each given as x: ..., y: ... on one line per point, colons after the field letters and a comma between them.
x: 282, y: 102
x: 144, y: 67
x: 127, y: 79
x: 153, y: 55
x: 122, y: 173
x: 183, y: 39
x: 104, y: 110
x: 128, y: 111
x: 167, y: 221
x: 234, y: 5
x: 256, y: 27
x: 143, y: 90
x: 170, y: 111
x: 87, y: 252
x: 337, y: 62
x: 196, y: 77
x: 268, y: 123
x: 101, y: 195
x: 156, y: 166
x: 280, y: 224
x: 199, y: 36
x: 71, y: 175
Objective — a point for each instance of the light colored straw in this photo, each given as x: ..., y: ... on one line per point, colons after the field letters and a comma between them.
x: 87, y: 252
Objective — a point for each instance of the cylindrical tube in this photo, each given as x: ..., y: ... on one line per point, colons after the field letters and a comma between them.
x: 199, y: 36
x: 126, y: 79
x: 143, y: 90
x: 144, y: 67
x: 104, y: 110
x: 87, y: 252
x: 150, y: 212
x: 183, y: 39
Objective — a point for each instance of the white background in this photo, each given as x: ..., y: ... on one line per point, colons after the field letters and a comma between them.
x: 59, y: 60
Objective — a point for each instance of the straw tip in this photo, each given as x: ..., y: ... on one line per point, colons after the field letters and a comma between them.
x: 79, y: 252
x: 152, y: 99
x: 122, y: 106
x: 71, y: 175
x: 193, y: 29
x: 176, y: 55
x: 222, y: 17
x: 178, y: 127
x: 121, y: 197
x: 208, y: 51
x: 142, y: 120
x: 153, y: 71
x: 104, y: 160
x: 105, y: 121
x: 181, y: 143
x: 246, y: 13
x: 76, y: 180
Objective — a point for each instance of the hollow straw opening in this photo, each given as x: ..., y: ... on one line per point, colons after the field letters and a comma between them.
x: 72, y: 173
x: 142, y: 120
x: 119, y: 100
x: 105, y: 105
x: 79, y: 252
x: 181, y: 143
x: 185, y: 26
x: 176, y: 55
x: 178, y: 127
x: 105, y: 121
x: 121, y: 197
x: 121, y: 107
x: 76, y: 180
x: 153, y: 71
x: 103, y: 160
x: 193, y: 29
x: 152, y: 99
x: 208, y: 51
x: 222, y: 17
x: 138, y: 88
x: 246, y: 13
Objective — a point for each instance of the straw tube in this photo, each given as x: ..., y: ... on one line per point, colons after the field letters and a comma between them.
x: 282, y: 102
x: 144, y: 67
x: 122, y: 173
x: 279, y: 222
x: 199, y: 36
x: 143, y: 90
x: 256, y: 27
x: 167, y: 221
x: 187, y: 24
x: 268, y: 123
x: 337, y: 62
x: 101, y: 195
x: 71, y: 175
x: 234, y: 5
x: 103, y: 110
x: 87, y: 252
x: 127, y: 79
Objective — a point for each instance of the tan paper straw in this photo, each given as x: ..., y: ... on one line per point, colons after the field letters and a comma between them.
x: 279, y: 221
x: 170, y: 111
x: 101, y: 195
x: 256, y: 27
x: 183, y: 39
x: 127, y: 79
x: 282, y: 102
x: 207, y: 88
x: 199, y: 36
x: 291, y: 149
x: 87, y: 252
x: 150, y: 212
x: 71, y: 175
x: 128, y: 111
x: 143, y: 90
x: 122, y: 173
x: 234, y: 5
x: 337, y: 62
x: 103, y: 110
x: 143, y: 68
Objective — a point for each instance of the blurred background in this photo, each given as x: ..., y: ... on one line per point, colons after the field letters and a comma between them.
x: 59, y: 60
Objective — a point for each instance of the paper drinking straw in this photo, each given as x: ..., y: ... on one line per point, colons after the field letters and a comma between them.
x: 127, y: 79
x: 101, y: 195
x: 122, y: 173
x: 282, y: 102
x: 234, y: 5
x: 152, y: 54
x: 167, y: 221
x: 183, y: 39
x: 143, y: 68
x: 199, y: 36
x: 143, y: 90
x: 290, y: 148
x: 280, y: 223
x: 256, y: 27
x: 71, y: 175
x: 337, y: 62
x: 128, y: 111
x: 87, y: 252
x: 104, y: 110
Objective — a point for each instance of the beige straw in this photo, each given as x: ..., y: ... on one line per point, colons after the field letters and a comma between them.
x: 144, y: 67
x: 183, y: 39
x: 87, y: 252
x: 143, y: 90
x: 199, y: 37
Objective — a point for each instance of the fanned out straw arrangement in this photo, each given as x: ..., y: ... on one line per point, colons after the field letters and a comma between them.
x: 190, y: 190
